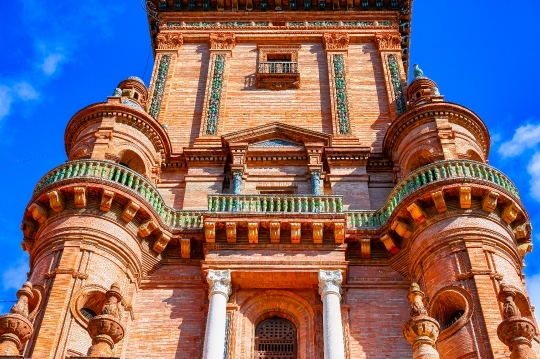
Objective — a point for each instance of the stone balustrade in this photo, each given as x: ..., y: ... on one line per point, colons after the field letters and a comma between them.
x: 131, y: 180
x: 464, y: 171
x: 275, y: 203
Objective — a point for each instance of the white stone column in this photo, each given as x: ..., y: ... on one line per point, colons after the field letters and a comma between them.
x: 330, y: 291
x: 220, y: 289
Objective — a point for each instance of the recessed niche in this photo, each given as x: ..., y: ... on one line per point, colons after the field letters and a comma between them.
x: 452, y: 308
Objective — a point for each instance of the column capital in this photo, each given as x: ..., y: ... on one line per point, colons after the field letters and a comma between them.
x: 220, y: 282
x: 330, y: 282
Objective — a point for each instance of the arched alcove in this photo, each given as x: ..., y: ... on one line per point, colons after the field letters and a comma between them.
x: 133, y: 161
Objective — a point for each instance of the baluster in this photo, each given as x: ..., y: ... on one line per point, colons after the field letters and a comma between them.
x: 484, y: 173
x: 136, y: 186
x: 104, y: 171
x: 463, y: 169
x: 318, y: 204
x: 333, y: 203
x: 69, y: 171
x: 278, y: 204
x: 423, y: 177
x: 118, y: 172
x: 96, y: 169
x: 229, y: 201
x: 326, y: 204
x: 271, y: 204
x: 257, y: 204
x: 305, y: 204
x: 436, y: 173
x: 54, y: 178
x: 210, y: 204
x: 450, y: 171
x: 340, y: 205
x: 443, y: 171
x: 497, y: 178
x: 76, y: 170
x: 477, y: 169
x: 83, y: 169
x: 264, y: 204
x: 111, y: 172
x: 192, y: 219
x: 430, y: 175
x: 286, y: 204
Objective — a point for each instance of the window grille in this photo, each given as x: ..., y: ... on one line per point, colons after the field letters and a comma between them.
x: 275, y: 338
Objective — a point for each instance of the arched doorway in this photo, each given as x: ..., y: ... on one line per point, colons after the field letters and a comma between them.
x: 275, y: 338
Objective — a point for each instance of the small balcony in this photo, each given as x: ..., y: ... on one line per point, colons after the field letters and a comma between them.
x: 278, y: 75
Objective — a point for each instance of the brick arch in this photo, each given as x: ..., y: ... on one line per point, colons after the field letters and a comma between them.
x: 413, y: 159
x: 282, y: 304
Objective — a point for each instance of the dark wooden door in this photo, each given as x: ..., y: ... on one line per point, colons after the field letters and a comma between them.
x: 275, y: 338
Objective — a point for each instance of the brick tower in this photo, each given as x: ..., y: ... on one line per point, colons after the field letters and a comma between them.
x: 281, y: 190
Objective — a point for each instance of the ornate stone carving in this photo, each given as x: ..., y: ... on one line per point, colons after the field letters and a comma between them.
x: 341, y: 111
x: 15, y: 327
x: 524, y: 248
x: 440, y: 203
x: 465, y: 197
x: 336, y: 41
x: 489, y: 203
x: 185, y: 247
x: 395, y: 77
x: 219, y: 282
x: 417, y: 213
x: 275, y: 229
x: 236, y: 181
x: 365, y: 248
x: 389, y: 244
x: 330, y: 282
x: 318, y: 232
x: 339, y: 232
x: 253, y: 232
x: 80, y: 197
x: 402, y: 229
x: 106, y: 200
x: 146, y: 228
x: 56, y: 201
x: 523, y: 230
x: 296, y: 232
x: 421, y: 331
x: 29, y: 228
x: 106, y: 329
x: 515, y: 331
x: 510, y: 213
x: 388, y: 41
x: 130, y: 210
x: 222, y: 41
x: 169, y: 40
x: 230, y: 228
x: 316, y: 182
x: 161, y: 243
x: 210, y: 231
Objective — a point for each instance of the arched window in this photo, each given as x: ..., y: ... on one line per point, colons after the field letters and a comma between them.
x: 275, y: 338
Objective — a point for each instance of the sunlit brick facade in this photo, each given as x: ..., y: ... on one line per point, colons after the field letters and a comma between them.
x: 281, y: 190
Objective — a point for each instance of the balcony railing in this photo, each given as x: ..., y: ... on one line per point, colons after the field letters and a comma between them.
x: 130, y: 180
x: 278, y: 68
x: 275, y: 203
x: 463, y: 171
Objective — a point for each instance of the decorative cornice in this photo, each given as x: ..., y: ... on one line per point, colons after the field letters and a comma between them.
x: 169, y: 40
x: 222, y: 41
x: 336, y: 41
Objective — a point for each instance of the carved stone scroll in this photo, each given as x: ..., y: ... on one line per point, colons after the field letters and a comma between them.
x: 253, y: 232
x: 161, y: 243
x: 106, y: 200
x: 80, y: 197
x: 510, y: 213
x: 185, y: 247
x: 147, y: 228
x: 339, y: 232
x: 169, y: 40
x: 417, y: 213
x: 388, y: 41
x: 38, y: 212
x: 130, y: 210
x: 56, y: 201
x: 296, y: 232
x: 402, y: 229
x: 389, y: 244
x: 336, y: 41
x: 230, y: 228
x: 440, y: 203
x: 318, y: 232
x: 465, y: 197
x: 365, y: 248
x: 489, y: 203
x: 275, y: 232
x: 222, y: 41
x: 210, y: 232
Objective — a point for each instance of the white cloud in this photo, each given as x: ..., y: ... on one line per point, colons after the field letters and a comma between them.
x: 533, y: 168
x: 51, y: 62
x: 15, y: 276
x: 25, y: 91
x: 20, y: 91
x: 6, y: 99
x: 526, y: 136
x: 533, y: 288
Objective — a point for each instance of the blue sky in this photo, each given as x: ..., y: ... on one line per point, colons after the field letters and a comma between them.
x: 58, y: 58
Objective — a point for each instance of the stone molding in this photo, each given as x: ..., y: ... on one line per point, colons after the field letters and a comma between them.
x: 330, y: 282
x: 219, y: 282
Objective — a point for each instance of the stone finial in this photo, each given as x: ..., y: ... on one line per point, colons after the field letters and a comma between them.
x: 117, y: 92
x: 421, y: 331
x: 15, y: 327
x: 106, y: 329
x: 515, y: 331
x: 418, y: 71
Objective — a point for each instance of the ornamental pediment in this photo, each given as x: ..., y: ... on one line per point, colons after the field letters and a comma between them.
x: 277, y: 134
